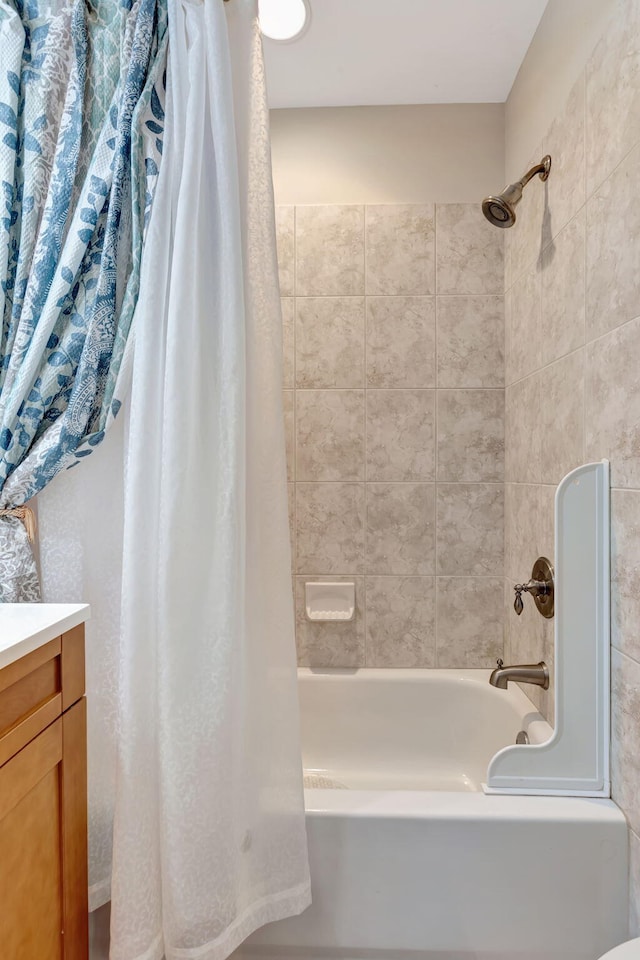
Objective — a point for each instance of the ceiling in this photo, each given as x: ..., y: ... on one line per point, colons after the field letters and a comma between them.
x: 364, y: 52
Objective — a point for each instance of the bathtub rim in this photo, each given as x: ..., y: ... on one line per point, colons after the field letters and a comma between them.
x: 442, y: 805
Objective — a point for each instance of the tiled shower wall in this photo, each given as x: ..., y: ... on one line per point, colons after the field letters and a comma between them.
x: 394, y: 401
x: 573, y: 366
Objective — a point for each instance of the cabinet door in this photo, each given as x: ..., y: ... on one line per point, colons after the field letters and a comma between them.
x: 43, y: 854
x: 31, y: 901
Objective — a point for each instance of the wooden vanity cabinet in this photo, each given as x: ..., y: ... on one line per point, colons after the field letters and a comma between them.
x: 43, y: 804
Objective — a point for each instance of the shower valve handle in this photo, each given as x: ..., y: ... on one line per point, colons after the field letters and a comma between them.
x: 518, y: 605
x: 537, y: 588
x: 541, y: 588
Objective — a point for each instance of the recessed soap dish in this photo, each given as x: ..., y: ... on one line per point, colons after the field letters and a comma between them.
x: 326, y: 601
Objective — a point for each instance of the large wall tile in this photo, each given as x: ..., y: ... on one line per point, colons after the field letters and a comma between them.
x: 561, y: 415
x: 329, y: 251
x: 288, y: 407
x: 400, y: 243
x: 625, y: 571
x: 285, y: 239
x: 613, y: 249
x: 565, y: 144
x: 400, y: 435
x: 523, y: 356
x: 401, y: 342
x: 613, y: 403
x: 330, y: 342
x: 508, y: 299
x: 562, y: 327
x: 508, y: 243
x: 625, y: 729
x: 330, y: 528
x: 523, y: 431
x: 470, y: 621
x: 470, y: 529
x: 529, y: 529
x: 288, y: 342
x: 330, y: 644
x: 546, y: 519
x: 471, y: 435
x: 400, y: 622
x: 330, y: 434
x: 469, y: 251
x: 613, y: 94
x: 470, y: 338
x: 400, y: 529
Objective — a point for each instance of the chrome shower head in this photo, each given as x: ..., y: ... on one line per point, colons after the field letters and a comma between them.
x: 501, y: 210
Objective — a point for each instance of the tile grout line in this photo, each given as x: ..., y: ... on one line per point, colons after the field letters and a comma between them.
x: 428, y: 483
x: 612, y: 171
x: 408, y: 296
x: 506, y: 339
x: 588, y: 198
x: 585, y: 264
x: 552, y: 363
x: 404, y: 576
x: 436, y: 460
x: 295, y: 415
x: 365, y: 638
x: 418, y: 389
x: 627, y: 656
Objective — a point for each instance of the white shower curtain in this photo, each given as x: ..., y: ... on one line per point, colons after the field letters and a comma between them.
x: 209, y: 840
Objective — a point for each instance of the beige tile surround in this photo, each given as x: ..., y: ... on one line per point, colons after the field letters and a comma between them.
x: 572, y: 374
x: 573, y: 392
x: 394, y: 405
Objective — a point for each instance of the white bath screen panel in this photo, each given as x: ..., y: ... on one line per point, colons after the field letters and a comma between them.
x: 575, y: 761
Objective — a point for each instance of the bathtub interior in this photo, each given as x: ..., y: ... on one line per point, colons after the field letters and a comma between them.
x: 436, y: 730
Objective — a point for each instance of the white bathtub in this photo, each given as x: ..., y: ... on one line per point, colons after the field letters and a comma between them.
x: 410, y: 859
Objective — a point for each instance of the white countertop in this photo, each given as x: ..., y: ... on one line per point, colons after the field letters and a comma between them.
x: 26, y: 626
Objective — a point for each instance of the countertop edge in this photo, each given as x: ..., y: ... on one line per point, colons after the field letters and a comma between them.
x: 75, y: 615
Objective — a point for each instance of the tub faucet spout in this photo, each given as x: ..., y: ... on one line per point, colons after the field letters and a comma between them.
x: 537, y: 673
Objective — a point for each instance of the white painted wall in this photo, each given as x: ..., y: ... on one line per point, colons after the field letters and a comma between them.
x: 452, y: 153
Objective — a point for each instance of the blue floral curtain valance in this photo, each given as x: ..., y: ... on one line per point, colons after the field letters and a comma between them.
x: 81, y: 129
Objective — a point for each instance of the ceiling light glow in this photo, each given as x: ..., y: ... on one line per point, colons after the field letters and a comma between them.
x: 283, y: 19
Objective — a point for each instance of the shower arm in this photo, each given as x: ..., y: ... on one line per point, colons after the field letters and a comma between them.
x: 513, y: 192
x: 541, y: 168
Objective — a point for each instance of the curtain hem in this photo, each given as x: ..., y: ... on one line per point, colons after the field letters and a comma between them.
x: 277, y: 906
